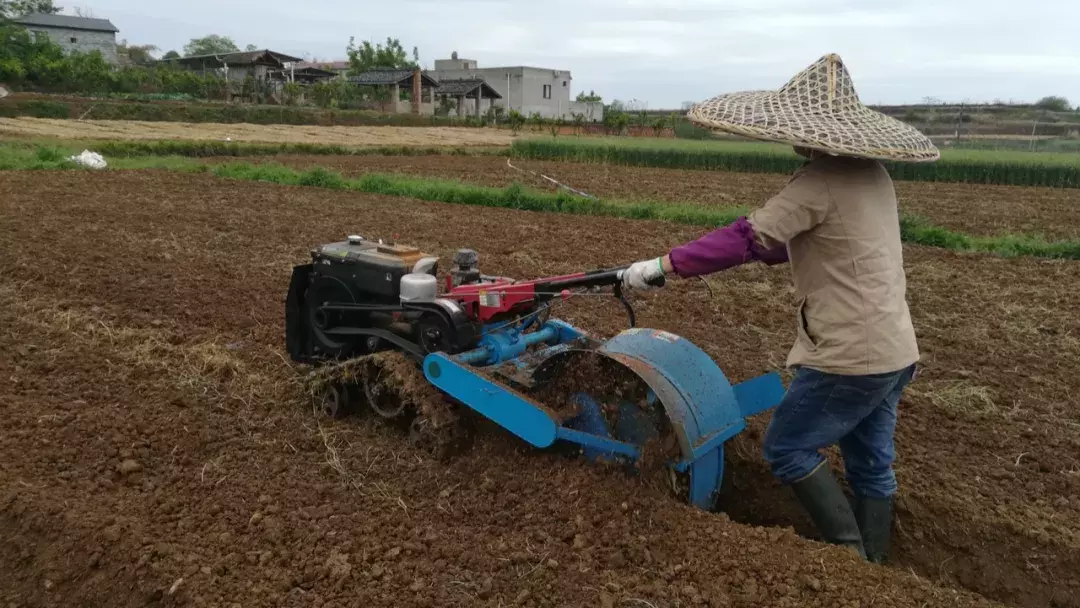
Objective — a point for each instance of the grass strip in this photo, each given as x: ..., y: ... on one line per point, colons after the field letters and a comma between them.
x: 16, y: 156
x: 913, y: 229
x: 515, y: 196
x: 1000, y: 167
x: 1060, y: 170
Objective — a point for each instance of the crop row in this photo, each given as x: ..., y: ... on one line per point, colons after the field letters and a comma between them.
x: 967, y: 166
x: 959, y: 166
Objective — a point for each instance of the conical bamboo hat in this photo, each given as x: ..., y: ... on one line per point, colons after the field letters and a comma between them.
x: 816, y: 109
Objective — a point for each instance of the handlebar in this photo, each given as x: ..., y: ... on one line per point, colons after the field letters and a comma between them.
x: 596, y: 278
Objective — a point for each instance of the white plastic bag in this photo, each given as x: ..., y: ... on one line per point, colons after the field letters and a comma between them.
x: 90, y: 159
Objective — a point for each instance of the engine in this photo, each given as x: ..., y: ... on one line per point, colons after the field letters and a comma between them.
x: 375, y: 271
x: 359, y: 296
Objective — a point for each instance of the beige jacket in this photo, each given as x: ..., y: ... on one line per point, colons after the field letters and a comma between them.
x: 838, y: 217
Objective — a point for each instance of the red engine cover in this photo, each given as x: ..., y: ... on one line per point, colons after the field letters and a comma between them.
x: 483, y: 301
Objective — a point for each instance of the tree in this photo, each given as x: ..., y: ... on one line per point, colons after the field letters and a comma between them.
x: 1054, y: 103
x: 137, y: 54
x: 615, y: 119
x: 516, y: 120
x: 13, y: 9
x: 366, y: 56
x: 592, y: 96
x: 210, y: 45
x: 251, y: 47
x: 579, y: 122
x: 556, y: 125
x: 170, y: 55
x: 659, y: 125
x: 537, y: 121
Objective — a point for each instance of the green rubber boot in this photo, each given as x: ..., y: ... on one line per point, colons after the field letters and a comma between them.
x: 874, y: 516
x: 821, y: 495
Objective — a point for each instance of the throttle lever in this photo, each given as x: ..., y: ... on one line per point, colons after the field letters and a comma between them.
x: 631, y: 317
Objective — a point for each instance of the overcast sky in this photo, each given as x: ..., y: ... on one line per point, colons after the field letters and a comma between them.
x: 665, y: 52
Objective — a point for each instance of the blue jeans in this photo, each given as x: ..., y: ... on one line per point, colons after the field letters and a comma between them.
x: 858, y: 412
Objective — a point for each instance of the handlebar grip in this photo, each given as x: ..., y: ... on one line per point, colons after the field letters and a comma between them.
x: 657, y: 282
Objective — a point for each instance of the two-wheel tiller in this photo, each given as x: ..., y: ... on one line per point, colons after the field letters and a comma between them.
x: 489, y: 344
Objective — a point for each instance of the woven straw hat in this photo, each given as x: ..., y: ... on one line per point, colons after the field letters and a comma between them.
x: 817, y: 109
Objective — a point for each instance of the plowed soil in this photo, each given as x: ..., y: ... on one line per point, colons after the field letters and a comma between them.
x: 982, y: 210
x: 154, y: 448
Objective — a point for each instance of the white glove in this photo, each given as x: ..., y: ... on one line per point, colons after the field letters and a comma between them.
x: 644, y: 275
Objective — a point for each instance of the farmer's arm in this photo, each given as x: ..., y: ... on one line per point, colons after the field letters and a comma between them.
x: 761, y: 236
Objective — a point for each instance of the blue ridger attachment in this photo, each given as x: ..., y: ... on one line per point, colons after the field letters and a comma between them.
x: 687, y: 396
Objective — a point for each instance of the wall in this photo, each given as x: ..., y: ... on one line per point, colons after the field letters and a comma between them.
x: 455, y: 64
x: 532, y: 85
x: 405, y: 107
x: 593, y: 111
x: 85, y: 41
x: 470, y: 106
x: 238, y: 73
x: 495, y: 77
x: 526, y: 88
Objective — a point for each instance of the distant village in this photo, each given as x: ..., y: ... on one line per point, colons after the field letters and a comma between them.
x: 455, y: 82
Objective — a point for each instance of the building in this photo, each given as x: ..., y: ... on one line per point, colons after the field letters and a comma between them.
x: 262, y: 66
x: 526, y: 89
x: 80, y: 34
x: 465, y: 93
x: 341, y: 68
x: 392, y: 82
x: 310, y: 74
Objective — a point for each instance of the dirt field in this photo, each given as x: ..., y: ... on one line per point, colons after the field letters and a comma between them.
x: 985, y: 210
x: 343, y: 136
x: 153, y: 447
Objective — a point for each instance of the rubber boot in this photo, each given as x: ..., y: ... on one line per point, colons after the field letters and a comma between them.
x: 874, y: 516
x: 821, y: 495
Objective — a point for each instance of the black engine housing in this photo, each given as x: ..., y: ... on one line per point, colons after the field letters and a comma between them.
x: 347, y: 302
x: 370, y: 270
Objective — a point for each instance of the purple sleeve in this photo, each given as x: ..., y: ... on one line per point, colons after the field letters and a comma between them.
x: 723, y: 248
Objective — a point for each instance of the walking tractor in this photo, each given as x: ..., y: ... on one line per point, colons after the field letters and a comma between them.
x: 489, y: 345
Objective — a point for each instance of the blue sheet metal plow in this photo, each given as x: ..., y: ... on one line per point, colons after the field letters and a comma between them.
x: 688, y: 395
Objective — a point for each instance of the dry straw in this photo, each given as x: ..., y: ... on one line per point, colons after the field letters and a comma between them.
x: 816, y: 109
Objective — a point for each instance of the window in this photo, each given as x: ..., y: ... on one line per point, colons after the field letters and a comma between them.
x: 547, y: 91
x: 74, y: 40
x: 564, y: 84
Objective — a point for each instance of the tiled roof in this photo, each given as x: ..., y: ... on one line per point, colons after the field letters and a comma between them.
x: 389, y: 76
x: 467, y: 87
x: 69, y: 22
x: 241, y: 58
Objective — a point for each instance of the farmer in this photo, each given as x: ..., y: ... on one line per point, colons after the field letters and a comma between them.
x: 836, y: 221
